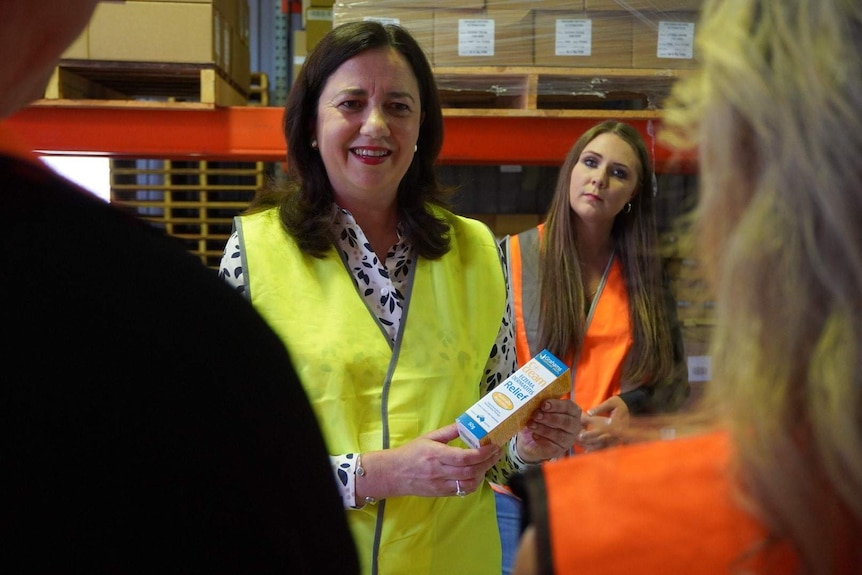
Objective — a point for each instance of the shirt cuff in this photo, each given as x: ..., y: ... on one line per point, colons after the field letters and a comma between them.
x: 344, y: 467
x: 517, y: 461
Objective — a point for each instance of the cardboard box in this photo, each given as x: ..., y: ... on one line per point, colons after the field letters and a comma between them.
x: 583, y: 39
x: 418, y: 21
x: 306, y: 4
x: 80, y: 48
x: 665, y: 41
x: 696, y: 342
x: 648, y: 6
x: 571, y: 5
x: 299, y: 53
x: 240, y: 60
x: 318, y: 23
x: 410, y: 4
x: 483, y: 38
x: 230, y: 9
x: 504, y: 410
x: 166, y: 32
x: 186, y: 32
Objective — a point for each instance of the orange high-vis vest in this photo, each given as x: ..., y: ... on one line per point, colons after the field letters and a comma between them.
x: 658, y: 508
x: 598, y: 370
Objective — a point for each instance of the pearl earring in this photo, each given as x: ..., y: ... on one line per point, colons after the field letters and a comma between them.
x: 314, y: 144
x: 415, y: 148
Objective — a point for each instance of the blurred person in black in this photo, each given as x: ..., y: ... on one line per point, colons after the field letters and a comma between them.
x: 135, y: 435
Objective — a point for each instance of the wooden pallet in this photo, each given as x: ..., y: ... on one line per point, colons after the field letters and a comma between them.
x: 200, y: 84
x: 194, y: 202
x: 538, y: 91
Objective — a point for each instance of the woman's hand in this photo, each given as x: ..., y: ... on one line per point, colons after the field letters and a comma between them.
x: 604, y: 424
x: 426, y: 466
x: 551, y: 430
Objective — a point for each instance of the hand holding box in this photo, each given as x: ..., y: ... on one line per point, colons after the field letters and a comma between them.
x: 504, y: 410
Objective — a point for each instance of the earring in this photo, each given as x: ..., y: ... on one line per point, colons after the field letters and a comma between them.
x: 415, y: 148
x: 314, y: 144
x: 628, y: 208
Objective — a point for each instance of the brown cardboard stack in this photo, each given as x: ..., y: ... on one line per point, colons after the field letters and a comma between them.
x: 317, y: 19
x: 159, y: 31
x: 416, y: 17
x: 578, y: 39
x: 662, y: 34
x: 563, y: 33
x: 483, y: 37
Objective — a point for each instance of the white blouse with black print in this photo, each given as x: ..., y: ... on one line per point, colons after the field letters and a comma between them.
x: 382, y: 285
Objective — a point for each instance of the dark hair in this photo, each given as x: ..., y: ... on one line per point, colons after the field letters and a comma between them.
x: 305, y: 199
x: 635, y: 238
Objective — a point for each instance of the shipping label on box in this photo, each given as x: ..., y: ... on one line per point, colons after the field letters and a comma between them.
x: 504, y: 410
x: 419, y: 22
x: 600, y: 40
x: 665, y: 42
x: 483, y: 38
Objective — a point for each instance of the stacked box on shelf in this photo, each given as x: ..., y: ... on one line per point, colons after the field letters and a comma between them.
x: 695, y: 301
x: 488, y: 36
x: 418, y: 20
x: 628, y: 49
x: 574, y: 38
x: 662, y: 30
x: 201, y: 32
x: 317, y: 18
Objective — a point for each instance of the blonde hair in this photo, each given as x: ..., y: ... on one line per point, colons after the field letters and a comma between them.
x: 776, y: 112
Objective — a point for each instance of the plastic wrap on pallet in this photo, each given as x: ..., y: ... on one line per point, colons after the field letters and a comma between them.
x: 621, y: 53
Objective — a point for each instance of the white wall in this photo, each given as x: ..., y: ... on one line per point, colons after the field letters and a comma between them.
x: 90, y: 172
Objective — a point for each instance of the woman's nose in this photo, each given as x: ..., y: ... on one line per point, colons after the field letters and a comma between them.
x: 375, y: 124
x: 600, y: 177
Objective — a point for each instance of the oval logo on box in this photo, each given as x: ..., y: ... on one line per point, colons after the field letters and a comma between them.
x: 502, y: 400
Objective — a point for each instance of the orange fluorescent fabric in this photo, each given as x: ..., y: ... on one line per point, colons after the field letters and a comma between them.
x: 663, y: 508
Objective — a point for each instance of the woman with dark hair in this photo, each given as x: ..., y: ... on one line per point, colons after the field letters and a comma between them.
x: 393, y: 308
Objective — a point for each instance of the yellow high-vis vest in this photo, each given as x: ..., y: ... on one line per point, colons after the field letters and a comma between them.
x: 370, y: 395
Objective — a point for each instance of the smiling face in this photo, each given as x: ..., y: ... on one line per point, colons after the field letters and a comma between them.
x: 368, y: 118
x: 604, y: 179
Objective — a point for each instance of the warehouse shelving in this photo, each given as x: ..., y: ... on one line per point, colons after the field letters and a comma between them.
x: 252, y: 133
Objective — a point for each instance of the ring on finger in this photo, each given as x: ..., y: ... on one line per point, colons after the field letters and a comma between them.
x: 458, y: 491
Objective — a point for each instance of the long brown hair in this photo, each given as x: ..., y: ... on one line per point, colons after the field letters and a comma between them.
x: 563, y: 315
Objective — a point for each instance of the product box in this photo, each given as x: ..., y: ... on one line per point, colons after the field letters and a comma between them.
x: 483, y: 38
x: 583, y: 39
x: 504, y: 410
x: 418, y: 21
x: 664, y: 41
